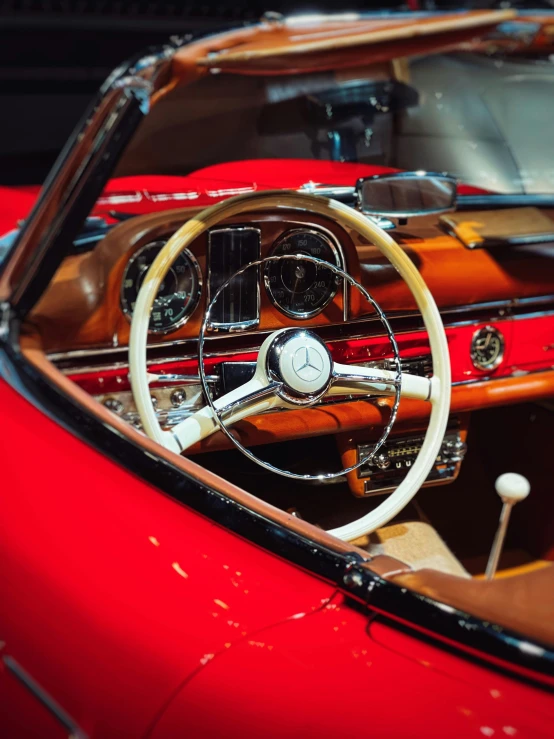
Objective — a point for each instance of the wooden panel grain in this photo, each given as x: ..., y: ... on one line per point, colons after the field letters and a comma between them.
x: 455, y: 275
x: 82, y: 306
x: 326, y: 44
x: 371, y: 416
x: 499, y: 227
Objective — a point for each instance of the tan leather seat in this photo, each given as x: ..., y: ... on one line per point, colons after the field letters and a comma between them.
x: 522, y: 603
x: 415, y: 543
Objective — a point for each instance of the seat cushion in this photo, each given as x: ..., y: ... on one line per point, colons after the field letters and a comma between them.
x: 415, y: 543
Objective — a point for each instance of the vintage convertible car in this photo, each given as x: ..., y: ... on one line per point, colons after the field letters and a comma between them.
x: 254, y: 413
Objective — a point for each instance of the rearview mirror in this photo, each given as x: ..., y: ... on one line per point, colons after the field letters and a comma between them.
x: 406, y: 194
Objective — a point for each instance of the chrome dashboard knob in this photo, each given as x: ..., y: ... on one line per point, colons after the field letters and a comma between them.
x: 382, y: 461
x: 178, y: 397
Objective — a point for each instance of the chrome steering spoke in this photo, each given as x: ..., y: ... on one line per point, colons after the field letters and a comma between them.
x: 356, y: 380
x: 248, y: 401
x: 255, y: 396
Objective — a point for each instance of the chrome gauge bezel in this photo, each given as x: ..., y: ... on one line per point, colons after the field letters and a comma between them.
x: 194, y: 302
x: 335, y: 248
x: 239, y: 325
x: 487, y: 366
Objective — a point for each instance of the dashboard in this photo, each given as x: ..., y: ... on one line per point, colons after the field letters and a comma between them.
x: 93, y: 295
x: 297, y: 289
x: 497, y: 308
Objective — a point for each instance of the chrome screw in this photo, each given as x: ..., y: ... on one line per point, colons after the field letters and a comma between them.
x: 178, y: 397
x: 114, y: 405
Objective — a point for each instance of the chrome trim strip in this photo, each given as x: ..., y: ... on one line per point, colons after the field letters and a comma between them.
x: 345, y: 301
x: 499, y: 304
x: 533, y: 314
x: 474, y: 308
x: 71, y: 726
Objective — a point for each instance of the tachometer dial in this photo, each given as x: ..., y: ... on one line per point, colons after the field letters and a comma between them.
x: 178, y: 294
x: 302, y: 289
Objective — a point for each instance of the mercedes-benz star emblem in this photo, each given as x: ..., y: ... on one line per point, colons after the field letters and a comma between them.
x: 307, y: 363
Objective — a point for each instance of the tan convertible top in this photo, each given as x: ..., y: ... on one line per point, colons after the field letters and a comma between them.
x: 326, y: 43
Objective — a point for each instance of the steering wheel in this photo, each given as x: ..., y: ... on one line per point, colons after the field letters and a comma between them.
x: 294, y: 367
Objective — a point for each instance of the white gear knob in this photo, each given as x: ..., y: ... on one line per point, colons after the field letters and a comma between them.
x: 512, y: 488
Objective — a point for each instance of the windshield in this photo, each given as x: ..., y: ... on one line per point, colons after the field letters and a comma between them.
x: 451, y: 112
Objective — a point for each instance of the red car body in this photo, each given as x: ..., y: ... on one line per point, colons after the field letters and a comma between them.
x: 135, y: 615
x: 137, y: 601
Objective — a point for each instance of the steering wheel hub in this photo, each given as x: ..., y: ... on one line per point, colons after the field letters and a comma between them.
x: 301, y: 363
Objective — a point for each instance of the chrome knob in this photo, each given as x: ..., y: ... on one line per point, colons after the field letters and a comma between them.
x: 382, y: 461
x: 178, y: 397
x: 114, y: 405
x: 454, y: 450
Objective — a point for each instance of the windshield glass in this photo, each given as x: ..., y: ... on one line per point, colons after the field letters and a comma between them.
x: 451, y: 112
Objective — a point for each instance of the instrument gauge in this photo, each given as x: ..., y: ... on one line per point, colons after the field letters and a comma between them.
x: 487, y: 348
x: 302, y: 289
x: 178, y: 294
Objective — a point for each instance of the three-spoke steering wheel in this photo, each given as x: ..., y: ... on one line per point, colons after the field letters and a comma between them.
x: 294, y: 367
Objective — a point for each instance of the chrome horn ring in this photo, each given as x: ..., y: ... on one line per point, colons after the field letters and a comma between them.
x: 281, y: 387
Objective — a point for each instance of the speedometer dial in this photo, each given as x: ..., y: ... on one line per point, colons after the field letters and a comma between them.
x: 302, y: 289
x: 178, y: 294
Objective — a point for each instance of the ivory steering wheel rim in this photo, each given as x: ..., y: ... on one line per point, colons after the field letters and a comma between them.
x: 440, y: 383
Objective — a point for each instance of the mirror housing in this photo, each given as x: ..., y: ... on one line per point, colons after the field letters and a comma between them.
x: 406, y: 194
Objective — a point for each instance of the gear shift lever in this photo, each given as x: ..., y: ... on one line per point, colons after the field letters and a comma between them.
x: 511, y: 488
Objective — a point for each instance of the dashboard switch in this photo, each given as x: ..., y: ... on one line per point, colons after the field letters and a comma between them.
x: 114, y: 405
x: 382, y: 461
x: 178, y: 397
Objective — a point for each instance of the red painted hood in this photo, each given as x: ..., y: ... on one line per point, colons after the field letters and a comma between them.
x: 149, y: 193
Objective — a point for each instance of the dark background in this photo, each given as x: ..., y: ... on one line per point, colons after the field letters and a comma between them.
x: 54, y: 54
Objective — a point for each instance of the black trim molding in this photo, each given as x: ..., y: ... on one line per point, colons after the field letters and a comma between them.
x: 73, y: 729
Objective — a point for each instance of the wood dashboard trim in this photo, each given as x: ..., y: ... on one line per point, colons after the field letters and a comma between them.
x: 280, y: 42
x: 352, y: 416
x: 84, y: 294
